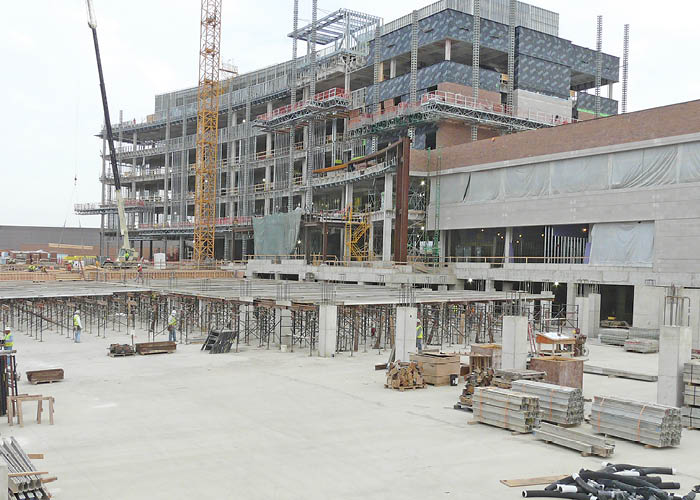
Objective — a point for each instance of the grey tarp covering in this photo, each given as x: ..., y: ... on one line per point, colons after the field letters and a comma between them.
x: 689, y: 165
x: 453, y: 187
x: 484, y: 185
x: 622, y: 244
x: 276, y: 234
x: 575, y: 175
x: 649, y: 167
x: 530, y: 180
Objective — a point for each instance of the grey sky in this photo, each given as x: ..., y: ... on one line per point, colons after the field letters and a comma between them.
x: 52, y: 103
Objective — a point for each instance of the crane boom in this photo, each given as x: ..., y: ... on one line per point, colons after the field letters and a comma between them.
x: 126, y: 252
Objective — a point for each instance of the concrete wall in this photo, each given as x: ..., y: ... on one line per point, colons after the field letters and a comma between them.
x: 648, y: 306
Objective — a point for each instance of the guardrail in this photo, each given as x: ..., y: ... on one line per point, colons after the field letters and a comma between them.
x: 329, y: 94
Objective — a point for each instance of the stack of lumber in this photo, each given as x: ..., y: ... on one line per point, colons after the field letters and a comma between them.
x: 559, y: 404
x: 647, y: 423
x: 507, y: 409
x: 505, y: 378
x: 155, y: 347
x: 585, y: 443
x: 613, y: 336
x: 22, y: 484
x: 478, y: 377
x: 404, y: 376
x: 690, y: 413
x: 643, y: 346
x: 437, y: 368
x: 45, y: 376
x: 120, y: 350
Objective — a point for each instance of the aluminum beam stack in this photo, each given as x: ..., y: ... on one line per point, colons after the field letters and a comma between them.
x: 507, y: 409
x: 614, y: 336
x: 559, y: 404
x: 575, y: 440
x: 643, y: 346
x: 691, y: 396
x: 647, y: 423
x: 27, y: 486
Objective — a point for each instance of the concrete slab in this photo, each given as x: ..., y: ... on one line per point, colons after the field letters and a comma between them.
x: 264, y: 424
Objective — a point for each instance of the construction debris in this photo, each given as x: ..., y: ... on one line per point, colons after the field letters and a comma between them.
x: 45, y: 376
x: 24, y: 481
x: 643, y: 422
x: 402, y: 376
x: 155, y: 348
x: 614, y: 481
x: 437, y: 368
x: 116, y: 350
x: 507, y: 409
x: 643, y: 346
x: 559, y: 404
x: 690, y: 413
x: 587, y: 444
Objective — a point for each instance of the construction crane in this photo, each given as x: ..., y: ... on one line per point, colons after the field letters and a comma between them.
x: 207, y: 130
x: 127, y: 255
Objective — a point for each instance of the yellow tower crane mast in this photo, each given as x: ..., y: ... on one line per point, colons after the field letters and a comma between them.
x: 207, y: 130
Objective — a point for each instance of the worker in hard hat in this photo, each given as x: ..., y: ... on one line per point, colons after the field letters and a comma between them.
x: 7, y: 339
x: 172, y: 323
x: 419, y: 336
x: 77, y: 327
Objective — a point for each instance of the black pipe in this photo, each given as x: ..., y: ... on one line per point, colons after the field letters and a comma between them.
x: 554, y: 494
x: 553, y: 486
x: 644, y: 470
x: 634, y: 481
x: 669, y: 486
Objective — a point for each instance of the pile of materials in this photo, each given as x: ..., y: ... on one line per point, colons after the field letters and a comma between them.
x: 438, y: 368
x: 505, y: 378
x: 507, y: 409
x: 644, y: 346
x: 614, y: 481
x: 479, y: 377
x: 690, y: 413
x: 402, y: 376
x: 613, y: 336
x: 559, y: 404
x: 21, y: 482
x: 116, y: 350
x: 643, y: 422
x: 585, y: 443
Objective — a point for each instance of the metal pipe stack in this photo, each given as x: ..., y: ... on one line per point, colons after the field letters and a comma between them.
x: 505, y: 408
x: 690, y: 413
x: 647, y: 423
x: 558, y: 404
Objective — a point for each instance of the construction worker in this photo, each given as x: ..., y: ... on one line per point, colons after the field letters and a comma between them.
x: 140, y: 271
x: 77, y: 326
x: 8, y: 340
x: 419, y: 336
x: 172, y: 323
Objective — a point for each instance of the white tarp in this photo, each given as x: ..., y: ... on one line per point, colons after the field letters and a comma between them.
x: 689, y: 164
x: 526, y: 181
x: 622, y: 244
x: 453, y: 188
x: 484, y: 185
x: 641, y: 168
x: 576, y: 175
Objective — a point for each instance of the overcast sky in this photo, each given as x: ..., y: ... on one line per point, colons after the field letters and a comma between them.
x: 51, y: 109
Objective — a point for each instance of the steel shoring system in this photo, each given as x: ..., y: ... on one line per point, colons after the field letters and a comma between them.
x: 413, y: 84
x: 625, y: 67
x: 207, y: 130
x: 598, y: 63
x: 375, y: 85
x: 476, y: 49
x: 512, y: 13
x: 311, y: 128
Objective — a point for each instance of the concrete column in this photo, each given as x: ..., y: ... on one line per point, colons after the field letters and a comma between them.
x: 674, y: 351
x: 448, y: 50
x: 507, y: 286
x: 286, y: 327
x: 348, y: 202
x: 388, y: 205
x: 610, y: 90
x: 371, y: 241
x: 508, y: 244
x: 443, y: 245
x: 327, y: 330
x: 571, y: 299
x: 381, y: 71
x: 515, y: 343
x: 490, y: 286
x: 392, y: 68
x: 405, y: 338
x: 589, y: 314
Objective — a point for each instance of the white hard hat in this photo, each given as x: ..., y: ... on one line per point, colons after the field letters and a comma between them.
x: 174, y: 311
x: 8, y: 329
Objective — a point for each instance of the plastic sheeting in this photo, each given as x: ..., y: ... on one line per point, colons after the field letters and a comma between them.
x: 575, y: 175
x: 689, y: 164
x: 276, y: 234
x: 453, y: 188
x: 622, y: 244
x: 641, y: 168
x: 485, y: 185
x: 530, y: 180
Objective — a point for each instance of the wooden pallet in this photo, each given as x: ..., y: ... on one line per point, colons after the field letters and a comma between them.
x: 401, y: 389
x: 45, y: 376
x: 146, y: 348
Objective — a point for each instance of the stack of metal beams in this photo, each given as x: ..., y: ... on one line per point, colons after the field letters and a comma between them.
x: 613, y: 336
x: 647, y: 423
x: 576, y: 440
x: 691, y: 397
x: 507, y: 409
x: 504, y: 378
x: 643, y: 346
x: 25, y: 484
x: 559, y: 404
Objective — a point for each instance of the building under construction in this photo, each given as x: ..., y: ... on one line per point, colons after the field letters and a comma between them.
x: 314, y: 143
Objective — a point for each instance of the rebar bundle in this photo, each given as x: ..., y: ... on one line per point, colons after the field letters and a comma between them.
x: 559, y: 404
x: 507, y: 409
x: 643, y: 422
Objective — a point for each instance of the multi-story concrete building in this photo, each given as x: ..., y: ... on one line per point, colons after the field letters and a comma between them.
x: 289, y: 132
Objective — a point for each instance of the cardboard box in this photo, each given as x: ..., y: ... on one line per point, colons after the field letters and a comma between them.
x: 437, y: 367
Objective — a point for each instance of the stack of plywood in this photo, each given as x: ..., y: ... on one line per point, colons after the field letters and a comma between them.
x: 437, y: 368
x: 643, y: 422
x: 690, y: 413
x: 559, y: 404
x: 403, y: 376
x: 507, y: 409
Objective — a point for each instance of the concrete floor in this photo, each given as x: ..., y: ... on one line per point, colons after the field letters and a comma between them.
x: 269, y: 425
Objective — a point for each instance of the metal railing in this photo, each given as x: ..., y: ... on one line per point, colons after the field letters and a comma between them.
x: 333, y: 93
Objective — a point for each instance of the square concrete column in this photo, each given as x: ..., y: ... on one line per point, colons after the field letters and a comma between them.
x: 327, y: 330
x: 286, y: 327
x: 674, y: 352
x: 589, y: 314
x: 392, y: 68
x: 508, y: 244
x: 448, y: 49
x: 571, y: 300
x: 388, y: 205
x: 405, y: 338
x: 515, y: 343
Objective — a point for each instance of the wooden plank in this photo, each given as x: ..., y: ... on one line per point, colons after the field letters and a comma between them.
x: 532, y: 481
x: 27, y: 473
x: 35, y: 456
x: 49, y: 479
